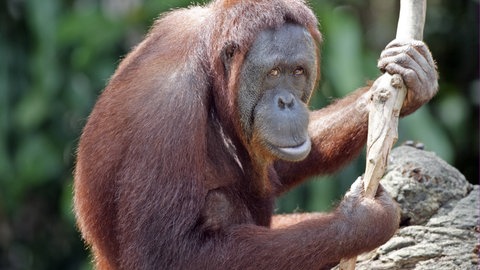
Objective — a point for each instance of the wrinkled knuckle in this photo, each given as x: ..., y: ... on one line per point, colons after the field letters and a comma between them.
x: 401, y: 59
x: 409, y: 75
x: 381, y: 63
x: 395, y: 43
x: 409, y: 48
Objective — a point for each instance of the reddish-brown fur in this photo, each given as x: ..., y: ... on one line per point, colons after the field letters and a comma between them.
x: 164, y: 178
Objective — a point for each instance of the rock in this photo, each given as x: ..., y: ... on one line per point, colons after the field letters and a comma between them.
x: 423, y: 184
x: 440, y: 216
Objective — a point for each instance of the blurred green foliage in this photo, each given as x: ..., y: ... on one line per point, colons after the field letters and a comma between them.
x: 56, y: 56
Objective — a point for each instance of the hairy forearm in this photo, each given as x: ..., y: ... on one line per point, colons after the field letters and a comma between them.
x: 285, y: 220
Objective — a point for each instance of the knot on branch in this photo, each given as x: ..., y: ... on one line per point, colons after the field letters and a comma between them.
x: 396, y: 81
x: 381, y: 95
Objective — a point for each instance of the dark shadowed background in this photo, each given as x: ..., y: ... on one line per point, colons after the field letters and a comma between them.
x: 57, y: 55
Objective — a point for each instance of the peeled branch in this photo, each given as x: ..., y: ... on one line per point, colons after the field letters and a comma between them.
x: 388, y: 94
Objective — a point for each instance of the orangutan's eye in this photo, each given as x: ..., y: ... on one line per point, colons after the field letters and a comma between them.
x: 298, y: 71
x: 274, y: 72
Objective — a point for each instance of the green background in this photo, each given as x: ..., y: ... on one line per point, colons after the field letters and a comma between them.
x: 56, y: 57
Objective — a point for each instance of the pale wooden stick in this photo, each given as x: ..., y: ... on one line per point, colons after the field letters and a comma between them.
x: 388, y: 96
